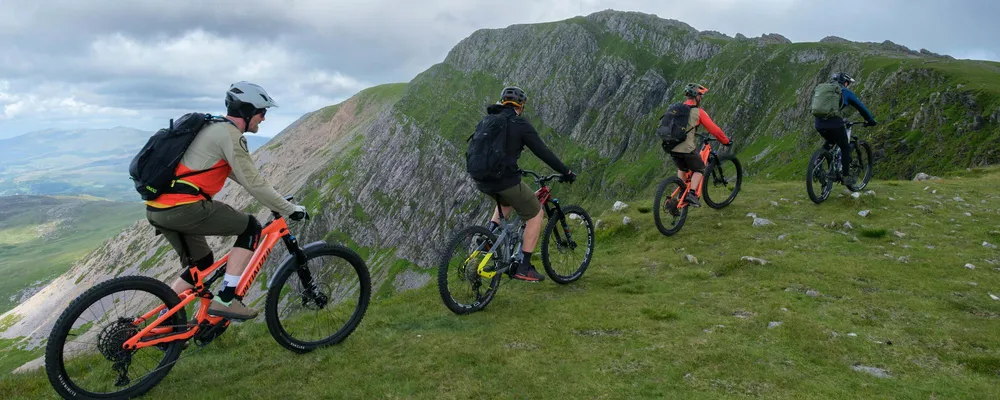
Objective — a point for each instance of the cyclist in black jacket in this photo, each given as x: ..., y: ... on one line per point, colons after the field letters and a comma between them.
x: 509, y: 190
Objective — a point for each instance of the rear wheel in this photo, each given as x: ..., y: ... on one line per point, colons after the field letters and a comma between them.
x: 669, y: 220
x: 84, y: 357
x: 819, y: 182
x: 724, y: 177
x: 321, y: 303
x: 571, y: 233
x: 463, y: 289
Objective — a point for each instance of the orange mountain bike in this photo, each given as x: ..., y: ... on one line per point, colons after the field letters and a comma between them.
x: 121, y: 337
x: 722, y: 173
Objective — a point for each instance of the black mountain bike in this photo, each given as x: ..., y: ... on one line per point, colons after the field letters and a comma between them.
x: 473, y: 264
x: 825, y: 167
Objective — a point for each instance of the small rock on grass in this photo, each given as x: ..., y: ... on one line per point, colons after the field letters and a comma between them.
x: 773, y: 324
x: 753, y: 260
x: 876, y: 372
x: 812, y: 293
x: 970, y: 266
x: 989, y: 245
x: 619, y: 206
x: 864, y: 213
x: 626, y: 220
x: 762, y: 222
x: 692, y: 259
x: 899, y: 234
x: 993, y: 296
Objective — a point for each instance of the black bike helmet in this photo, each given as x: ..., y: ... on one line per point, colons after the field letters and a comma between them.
x: 513, y: 94
x: 692, y: 90
x: 842, y: 78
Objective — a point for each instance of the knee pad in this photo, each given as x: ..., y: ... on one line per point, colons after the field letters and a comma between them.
x: 249, y: 238
x: 201, y: 264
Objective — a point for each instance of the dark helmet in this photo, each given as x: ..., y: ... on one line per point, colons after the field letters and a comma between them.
x: 692, y: 90
x: 842, y: 78
x: 513, y: 94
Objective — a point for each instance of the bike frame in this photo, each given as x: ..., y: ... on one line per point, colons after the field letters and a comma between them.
x: 705, y: 153
x: 549, y: 204
x: 271, y: 233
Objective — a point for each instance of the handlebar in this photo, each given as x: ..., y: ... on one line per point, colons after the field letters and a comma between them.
x: 541, y: 180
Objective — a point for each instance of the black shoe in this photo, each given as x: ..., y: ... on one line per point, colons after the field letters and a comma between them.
x: 850, y: 181
x: 692, y: 199
x: 528, y: 273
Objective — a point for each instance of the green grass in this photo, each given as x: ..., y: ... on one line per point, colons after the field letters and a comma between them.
x: 27, y: 256
x: 645, y: 323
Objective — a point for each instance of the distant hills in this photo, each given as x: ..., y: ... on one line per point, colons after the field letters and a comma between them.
x: 76, y: 161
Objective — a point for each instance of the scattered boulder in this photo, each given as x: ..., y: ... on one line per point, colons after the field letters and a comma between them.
x: 782, y: 237
x: 619, y: 206
x: 812, y: 293
x: 761, y: 222
x: 753, y: 260
x: 924, y: 177
x: 774, y: 204
x: 855, y: 195
x: 847, y: 225
x: 752, y: 215
x: 864, y: 213
x: 626, y: 220
x: 970, y: 266
x: 852, y: 334
x: 958, y: 199
x: 692, y: 259
x: 773, y: 324
x: 989, y: 245
x: 876, y: 372
x: 870, y: 193
x: 899, y: 234
x: 994, y: 297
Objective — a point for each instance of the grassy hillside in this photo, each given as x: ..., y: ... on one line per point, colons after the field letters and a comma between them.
x: 41, y: 237
x: 832, y: 308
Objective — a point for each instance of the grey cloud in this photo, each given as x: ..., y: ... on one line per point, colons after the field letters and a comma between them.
x: 388, y: 41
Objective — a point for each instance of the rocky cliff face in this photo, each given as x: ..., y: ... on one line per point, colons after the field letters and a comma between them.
x: 384, y: 171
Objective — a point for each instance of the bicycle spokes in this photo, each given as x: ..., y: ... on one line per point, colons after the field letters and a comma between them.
x: 324, y: 296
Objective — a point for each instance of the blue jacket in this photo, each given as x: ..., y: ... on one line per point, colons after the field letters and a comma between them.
x: 849, y: 100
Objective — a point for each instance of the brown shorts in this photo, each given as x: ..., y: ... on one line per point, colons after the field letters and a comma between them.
x: 522, y: 198
x: 688, y: 162
x: 195, y: 221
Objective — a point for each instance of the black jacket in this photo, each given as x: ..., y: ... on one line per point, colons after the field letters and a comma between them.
x: 520, y: 133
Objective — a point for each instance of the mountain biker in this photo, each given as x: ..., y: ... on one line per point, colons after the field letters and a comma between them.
x: 218, y: 152
x: 686, y: 155
x: 509, y: 191
x: 834, y: 129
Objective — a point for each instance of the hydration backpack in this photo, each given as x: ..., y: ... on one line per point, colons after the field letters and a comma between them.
x: 153, y: 168
x: 827, y: 100
x: 487, y: 153
x: 673, y: 125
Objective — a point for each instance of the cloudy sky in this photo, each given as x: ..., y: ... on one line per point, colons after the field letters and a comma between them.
x: 102, y: 63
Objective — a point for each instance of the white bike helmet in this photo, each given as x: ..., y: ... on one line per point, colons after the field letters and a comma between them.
x: 245, y: 99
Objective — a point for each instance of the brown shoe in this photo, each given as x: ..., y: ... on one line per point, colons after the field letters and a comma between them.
x: 235, y: 310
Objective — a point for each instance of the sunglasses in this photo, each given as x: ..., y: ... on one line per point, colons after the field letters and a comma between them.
x: 261, y: 111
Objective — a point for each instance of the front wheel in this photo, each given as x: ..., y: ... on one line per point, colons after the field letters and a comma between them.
x: 861, y: 165
x: 668, y: 196
x: 819, y: 182
x: 85, y: 358
x: 724, y: 176
x: 321, y: 302
x: 463, y: 288
x: 568, y: 261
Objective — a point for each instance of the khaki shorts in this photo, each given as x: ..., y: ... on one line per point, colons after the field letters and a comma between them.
x: 194, y: 221
x: 522, y: 198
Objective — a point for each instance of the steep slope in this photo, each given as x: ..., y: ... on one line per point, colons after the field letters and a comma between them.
x: 384, y: 172
x: 892, y: 314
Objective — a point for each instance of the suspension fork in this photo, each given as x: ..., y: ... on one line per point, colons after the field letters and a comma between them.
x: 305, y: 276
x: 552, y: 208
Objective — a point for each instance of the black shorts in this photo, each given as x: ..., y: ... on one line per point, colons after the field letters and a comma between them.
x: 688, y: 162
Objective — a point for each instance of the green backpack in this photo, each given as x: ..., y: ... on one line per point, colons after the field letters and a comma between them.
x: 827, y: 100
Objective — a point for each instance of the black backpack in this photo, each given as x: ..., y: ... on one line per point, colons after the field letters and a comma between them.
x: 153, y: 169
x: 673, y: 125
x: 485, y: 159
